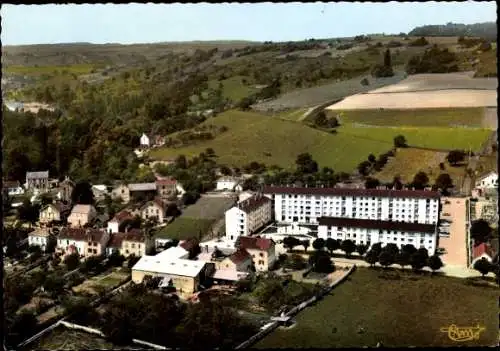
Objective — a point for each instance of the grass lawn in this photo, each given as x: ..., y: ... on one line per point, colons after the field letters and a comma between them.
x: 406, y: 312
x: 430, y: 137
x: 257, y: 137
x: 209, y: 208
x: 408, y: 162
x: 34, y: 70
x: 233, y: 88
x: 185, y: 227
x: 438, y: 117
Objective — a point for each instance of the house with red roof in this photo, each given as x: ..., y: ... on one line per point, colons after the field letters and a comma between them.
x: 155, y: 209
x: 481, y: 251
x: 119, y: 219
x: 166, y: 187
x: 262, y: 251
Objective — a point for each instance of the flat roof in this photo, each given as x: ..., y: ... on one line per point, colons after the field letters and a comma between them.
x: 167, y: 265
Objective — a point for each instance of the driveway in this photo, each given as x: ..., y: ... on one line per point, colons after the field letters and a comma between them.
x: 456, y: 244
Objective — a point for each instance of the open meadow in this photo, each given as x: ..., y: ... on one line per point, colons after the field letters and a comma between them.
x: 233, y: 88
x: 438, y: 117
x: 185, y: 227
x: 398, y: 312
x: 256, y: 137
x: 425, y: 137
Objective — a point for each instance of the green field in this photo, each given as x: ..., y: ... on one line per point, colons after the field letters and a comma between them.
x: 233, y: 88
x: 37, y: 70
x: 256, y: 137
x: 185, y: 227
x: 293, y: 114
x: 398, y: 313
x: 429, y: 137
x: 438, y: 117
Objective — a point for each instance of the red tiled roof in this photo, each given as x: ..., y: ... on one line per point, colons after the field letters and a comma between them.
x: 247, y: 242
x: 166, y: 181
x: 240, y: 256
x: 352, y: 192
x: 134, y: 235
x: 481, y: 249
x: 78, y: 234
x: 376, y: 224
x: 122, y: 215
x: 116, y: 240
x: 95, y: 234
x: 253, y: 203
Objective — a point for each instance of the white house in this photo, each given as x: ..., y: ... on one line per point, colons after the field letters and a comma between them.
x: 114, y: 224
x: 72, y: 240
x: 81, y: 215
x: 39, y: 237
x: 487, y: 181
x: 145, y: 141
x: 306, y: 205
x: 368, y: 232
x: 248, y: 216
x: 229, y: 184
x: 13, y: 188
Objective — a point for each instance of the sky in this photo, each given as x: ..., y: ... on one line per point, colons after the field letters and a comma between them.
x: 148, y: 23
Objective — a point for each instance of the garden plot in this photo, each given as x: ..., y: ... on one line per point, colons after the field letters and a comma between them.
x: 106, y: 281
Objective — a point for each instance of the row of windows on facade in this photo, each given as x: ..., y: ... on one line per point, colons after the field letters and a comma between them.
x: 401, y: 238
x: 343, y: 198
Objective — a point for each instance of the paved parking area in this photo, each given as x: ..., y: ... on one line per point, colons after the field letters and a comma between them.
x: 456, y: 244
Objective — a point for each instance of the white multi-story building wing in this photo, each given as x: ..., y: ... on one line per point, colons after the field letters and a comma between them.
x: 306, y: 205
x: 367, y: 232
x: 248, y: 216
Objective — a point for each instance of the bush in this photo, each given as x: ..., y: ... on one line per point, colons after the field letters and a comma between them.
x: 419, y: 42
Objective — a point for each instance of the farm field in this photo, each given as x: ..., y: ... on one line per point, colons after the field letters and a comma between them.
x: 185, y: 227
x: 428, y: 137
x: 233, y: 88
x: 439, y: 117
x: 256, y: 137
x: 106, y: 280
x: 408, y: 162
x: 309, y: 97
x: 409, y: 311
x: 292, y: 115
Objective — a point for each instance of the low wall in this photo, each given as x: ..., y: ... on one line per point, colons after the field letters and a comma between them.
x: 294, y: 311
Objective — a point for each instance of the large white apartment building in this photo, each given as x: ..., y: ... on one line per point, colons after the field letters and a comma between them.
x: 248, y: 216
x: 306, y: 205
x: 367, y: 231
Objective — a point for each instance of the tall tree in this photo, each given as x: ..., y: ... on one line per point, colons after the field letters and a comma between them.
x: 480, y: 231
x: 400, y: 141
x: 420, y: 180
x: 483, y: 266
x: 434, y: 263
x: 82, y: 194
x: 387, y: 58
x: 332, y: 245
x: 318, y: 244
x: 348, y: 246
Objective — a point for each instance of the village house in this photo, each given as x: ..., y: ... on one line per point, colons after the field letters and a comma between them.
x: 166, y: 187
x: 142, y: 190
x: 155, y: 209
x: 488, y: 180
x: 39, y: 237
x: 248, y: 216
x: 56, y: 212
x: 37, y: 181
x: 185, y: 276
x: 135, y: 242
x: 114, y: 244
x: 97, y: 240
x: 99, y: 192
x: 144, y: 141
x: 72, y: 240
x: 81, y: 215
x: 119, y: 218
x: 12, y: 188
x: 262, y: 251
x: 122, y: 192
x: 229, y: 184
x: 66, y: 189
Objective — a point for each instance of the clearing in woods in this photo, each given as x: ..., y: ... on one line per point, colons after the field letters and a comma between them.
x: 407, y: 310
